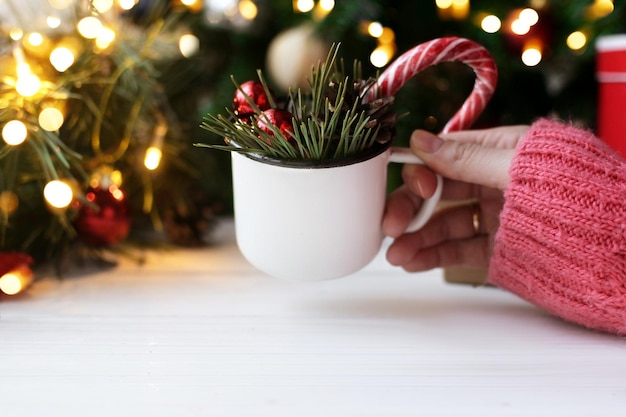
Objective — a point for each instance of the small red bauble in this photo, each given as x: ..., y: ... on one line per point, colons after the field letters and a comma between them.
x: 279, y: 118
x: 256, y: 92
x: 12, y: 260
x: 108, y: 222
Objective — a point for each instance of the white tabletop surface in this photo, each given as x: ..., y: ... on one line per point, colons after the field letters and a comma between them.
x: 201, y: 333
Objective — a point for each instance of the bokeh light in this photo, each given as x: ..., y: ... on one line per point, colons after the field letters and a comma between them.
x: 491, y: 24
x: 188, y: 45
x: 576, y: 40
x: 14, y: 132
x: 58, y: 194
x: 51, y: 119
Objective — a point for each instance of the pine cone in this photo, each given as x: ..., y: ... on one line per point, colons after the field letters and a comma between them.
x: 382, y: 115
x: 379, y: 111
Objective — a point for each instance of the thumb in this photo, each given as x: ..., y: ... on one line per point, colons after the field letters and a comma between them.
x: 465, y: 161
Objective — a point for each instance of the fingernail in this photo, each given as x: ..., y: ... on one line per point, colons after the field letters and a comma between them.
x: 426, y: 142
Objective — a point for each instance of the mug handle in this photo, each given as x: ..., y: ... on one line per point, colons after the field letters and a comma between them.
x: 405, y: 156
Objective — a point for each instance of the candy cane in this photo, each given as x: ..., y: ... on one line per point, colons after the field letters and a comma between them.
x: 444, y: 50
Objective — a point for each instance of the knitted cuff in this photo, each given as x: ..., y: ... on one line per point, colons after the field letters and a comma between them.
x: 562, y: 239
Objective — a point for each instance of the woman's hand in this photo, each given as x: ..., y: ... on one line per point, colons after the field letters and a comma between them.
x: 475, y: 165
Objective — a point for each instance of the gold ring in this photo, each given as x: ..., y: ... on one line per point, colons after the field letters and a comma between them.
x: 476, y: 214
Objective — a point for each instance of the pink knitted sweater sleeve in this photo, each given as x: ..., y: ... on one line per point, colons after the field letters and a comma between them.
x: 561, y: 244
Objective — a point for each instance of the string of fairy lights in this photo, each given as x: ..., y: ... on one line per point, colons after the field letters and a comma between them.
x: 62, y: 54
x: 34, y: 88
x: 33, y: 85
x: 519, y: 22
x: 34, y: 93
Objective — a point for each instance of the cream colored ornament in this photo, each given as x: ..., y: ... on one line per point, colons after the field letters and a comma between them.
x: 291, y: 54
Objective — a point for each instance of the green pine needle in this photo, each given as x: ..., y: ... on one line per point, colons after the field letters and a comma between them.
x: 321, y: 128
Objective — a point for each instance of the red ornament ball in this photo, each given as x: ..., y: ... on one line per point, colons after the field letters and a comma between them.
x: 256, y: 92
x: 278, y: 118
x: 106, y: 221
x: 12, y: 260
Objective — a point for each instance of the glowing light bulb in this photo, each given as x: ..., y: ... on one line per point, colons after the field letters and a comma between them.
x: 8, y: 202
x: 58, y: 194
x: 154, y: 153
x: 53, y: 22
x: 247, y: 9
x: 381, y: 56
x: 375, y: 29
x: 116, y: 193
x: 188, y: 45
x: 16, y: 280
x: 443, y: 4
x: 304, y: 6
x: 16, y: 34
x: 10, y: 284
x: 128, y: 4
x: 600, y: 9
x: 105, y: 37
x: 531, y: 56
x: 491, y: 24
x: 35, y: 39
x: 327, y: 5
x: 529, y: 16
x: 519, y: 27
x: 89, y: 27
x: 27, y: 85
x: 453, y: 9
x: 51, y: 119
x: 460, y: 8
x: 14, y: 132
x: 62, y: 58
x: 576, y: 40
x: 197, y: 5
x: 115, y: 177
x: 153, y: 158
x: 102, y: 6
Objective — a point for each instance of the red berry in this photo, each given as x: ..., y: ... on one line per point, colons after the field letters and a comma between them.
x: 279, y: 118
x: 256, y: 92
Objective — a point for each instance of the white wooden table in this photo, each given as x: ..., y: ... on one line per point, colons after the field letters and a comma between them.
x: 201, y: 333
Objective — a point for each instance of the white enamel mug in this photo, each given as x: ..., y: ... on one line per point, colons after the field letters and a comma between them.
x: 302, y: 221
x: 315, y: 222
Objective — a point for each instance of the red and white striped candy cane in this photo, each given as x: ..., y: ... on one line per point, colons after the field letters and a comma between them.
x: 445, y: 50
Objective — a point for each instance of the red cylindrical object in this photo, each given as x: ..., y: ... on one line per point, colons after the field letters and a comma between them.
x: 611, y: 74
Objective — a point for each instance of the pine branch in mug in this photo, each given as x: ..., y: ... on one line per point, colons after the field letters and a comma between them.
x: 331, y: 121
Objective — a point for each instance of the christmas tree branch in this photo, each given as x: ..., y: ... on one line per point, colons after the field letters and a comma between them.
x: 331, y: 121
